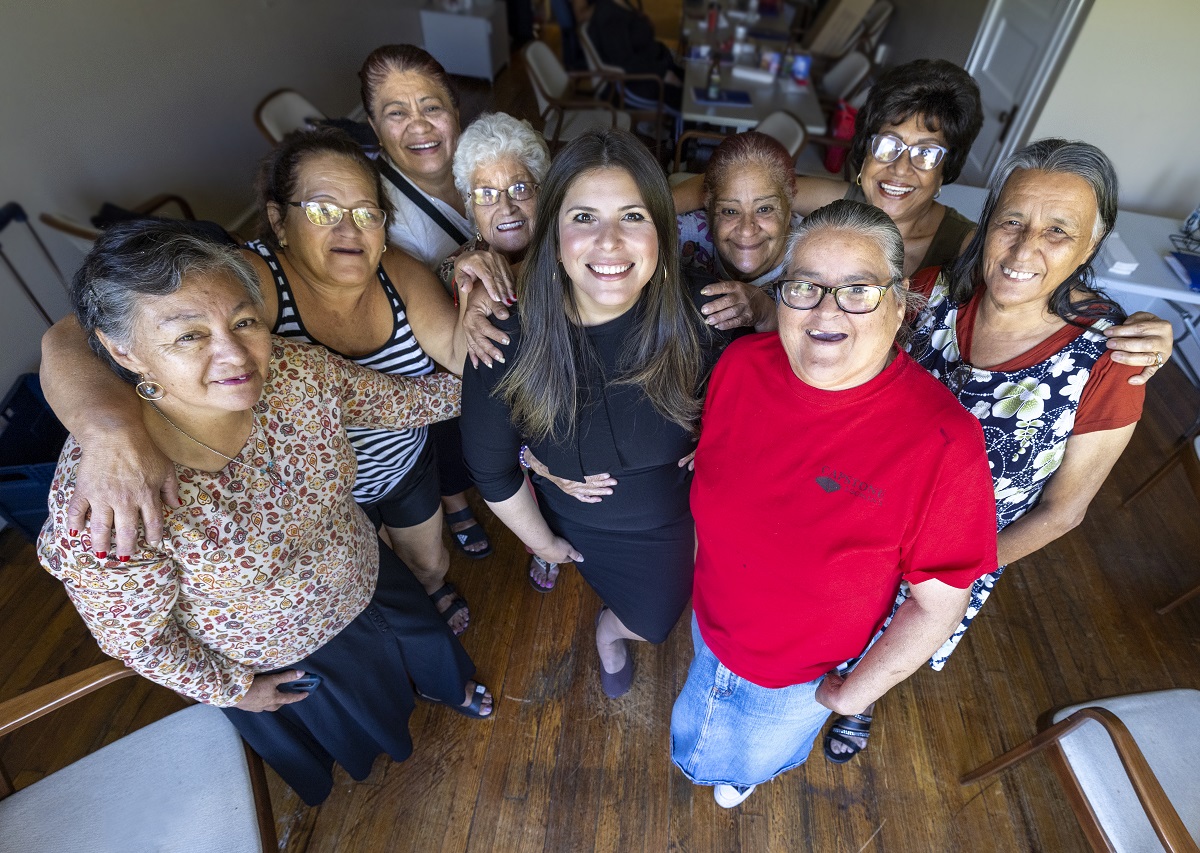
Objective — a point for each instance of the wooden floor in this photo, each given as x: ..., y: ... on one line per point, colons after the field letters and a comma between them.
x: 561, y: 768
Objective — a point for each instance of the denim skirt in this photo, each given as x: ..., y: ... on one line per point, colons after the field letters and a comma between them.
x: 726, y: 730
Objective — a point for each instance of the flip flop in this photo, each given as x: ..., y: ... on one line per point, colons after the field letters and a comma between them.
x: 468, y: 535
x: 459, y: 603
x: 844, y: 728
x: 550, y: 570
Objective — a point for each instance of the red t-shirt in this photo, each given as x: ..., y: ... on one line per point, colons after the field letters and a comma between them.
x: 812, y: 505
x: 1108, y: 400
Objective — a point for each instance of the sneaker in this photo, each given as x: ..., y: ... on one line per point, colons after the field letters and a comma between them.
x: 728, y: 796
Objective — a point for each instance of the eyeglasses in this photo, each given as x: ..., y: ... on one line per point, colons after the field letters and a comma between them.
x: 851, y: 298
x: 886, y: 147
x: 486, y: 196
x: 328, y: 214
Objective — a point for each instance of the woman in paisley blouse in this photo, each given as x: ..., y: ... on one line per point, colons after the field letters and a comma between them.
x: 1015, y: 329
x: 268, y: 571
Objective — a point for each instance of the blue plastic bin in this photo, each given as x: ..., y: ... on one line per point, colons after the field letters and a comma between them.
x: 30, y: 441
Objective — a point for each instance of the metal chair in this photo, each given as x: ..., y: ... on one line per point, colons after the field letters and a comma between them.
x: 1128, y: 767
x: 1188, y: 455
x: 283, y: 111
x: 844, y: 77
x: 566, y: 113
x: 176, y: 784
x: 779, y: 125
x: 614, y: 79
x: 84, y: 234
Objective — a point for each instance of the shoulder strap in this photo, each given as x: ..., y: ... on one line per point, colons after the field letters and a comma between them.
x: 418, y: 198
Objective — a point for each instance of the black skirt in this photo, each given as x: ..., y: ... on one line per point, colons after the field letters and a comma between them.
x: 365, y: 699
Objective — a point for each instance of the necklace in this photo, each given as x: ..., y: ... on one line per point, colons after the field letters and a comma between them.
x: 267, y: 471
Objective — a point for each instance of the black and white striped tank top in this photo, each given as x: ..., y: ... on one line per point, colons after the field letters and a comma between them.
x: 384, y: 456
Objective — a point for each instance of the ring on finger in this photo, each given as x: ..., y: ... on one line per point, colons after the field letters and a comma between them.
x: 1158, y: 359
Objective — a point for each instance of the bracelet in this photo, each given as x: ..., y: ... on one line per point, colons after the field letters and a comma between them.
x: 521, y: 457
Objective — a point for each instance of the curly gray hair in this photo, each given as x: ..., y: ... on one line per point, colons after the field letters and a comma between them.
x: 496, y: 135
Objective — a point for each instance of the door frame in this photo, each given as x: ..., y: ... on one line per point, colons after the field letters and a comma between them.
x: 1067, y: 30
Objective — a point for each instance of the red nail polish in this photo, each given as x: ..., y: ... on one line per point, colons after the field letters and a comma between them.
x: 101, y: 554
x: 124, y: 559
x: 73, y: 532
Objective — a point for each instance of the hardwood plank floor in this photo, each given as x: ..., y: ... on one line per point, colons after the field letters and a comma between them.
x: 561, y: 768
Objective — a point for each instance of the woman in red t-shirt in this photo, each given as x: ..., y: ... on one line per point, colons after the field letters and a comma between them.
x: 873, y: 503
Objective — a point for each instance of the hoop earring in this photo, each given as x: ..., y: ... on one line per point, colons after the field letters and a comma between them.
x: 478, y: 235
x: 938, y: 193
x: 858, y: 180
x: 149, y: 390
x: 385, y: 247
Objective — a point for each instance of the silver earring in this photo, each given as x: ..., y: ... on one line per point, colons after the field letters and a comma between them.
x: 938, y: 193
x: 149, y: 390
x: 385, y: 247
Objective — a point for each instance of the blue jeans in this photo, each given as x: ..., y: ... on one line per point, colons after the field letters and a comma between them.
x: 726, y: 730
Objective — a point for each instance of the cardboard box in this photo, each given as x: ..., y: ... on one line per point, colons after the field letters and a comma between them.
x: 835, y: 25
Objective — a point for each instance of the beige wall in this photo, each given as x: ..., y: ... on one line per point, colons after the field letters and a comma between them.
x: 120, y: 100
x: 933, y: 29
x: 1131, y: 85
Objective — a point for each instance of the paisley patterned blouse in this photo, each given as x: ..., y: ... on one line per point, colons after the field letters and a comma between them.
x: 256, y: 570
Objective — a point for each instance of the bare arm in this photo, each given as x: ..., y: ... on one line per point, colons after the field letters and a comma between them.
x: 591, y: 490
x: 1138, y: 341
x: 812, y: 193
x: 430, y: 310
x: 1086, y: 462
x: 521, y: 515
x: 122, y: 475
x: 919, y: 627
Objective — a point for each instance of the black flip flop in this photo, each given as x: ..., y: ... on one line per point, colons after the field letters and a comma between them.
x: 844, y: 728
x: 468, y: 535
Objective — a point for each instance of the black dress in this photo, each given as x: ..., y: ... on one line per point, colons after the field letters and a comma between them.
x: 638, y: 543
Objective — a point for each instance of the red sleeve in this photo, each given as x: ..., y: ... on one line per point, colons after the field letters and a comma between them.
x: 923, y: 280
x: 1108, y: 400
x: 956, y: 542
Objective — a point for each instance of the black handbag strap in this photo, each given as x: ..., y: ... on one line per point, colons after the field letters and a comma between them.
x: 418, y: 198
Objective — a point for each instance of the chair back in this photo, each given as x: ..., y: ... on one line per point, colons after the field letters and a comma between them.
x: 875, y: 22
x: 168, y: 786
x: 845, y: 75
x: 81, y: 235
x: 784, y: 128
x: 283, y: 111
x: 594, y: 63
x: 550, y: 79
x: 1165, y: 726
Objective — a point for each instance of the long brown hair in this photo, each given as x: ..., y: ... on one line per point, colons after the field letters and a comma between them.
x: 661, y: 355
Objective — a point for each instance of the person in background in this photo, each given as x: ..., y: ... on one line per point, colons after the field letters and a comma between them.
x: 267, y: 572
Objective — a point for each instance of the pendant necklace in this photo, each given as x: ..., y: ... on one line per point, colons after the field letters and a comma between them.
x: 267, y: 470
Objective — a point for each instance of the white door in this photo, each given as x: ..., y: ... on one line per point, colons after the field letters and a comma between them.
x: 1018, y: 50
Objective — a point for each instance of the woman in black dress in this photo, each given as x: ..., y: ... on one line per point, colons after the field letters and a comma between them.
x: 603, y: 373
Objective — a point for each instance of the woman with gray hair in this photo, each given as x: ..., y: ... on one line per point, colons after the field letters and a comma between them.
x: 1015, y: 330
x: 873, y: 506
x: 264, y: 592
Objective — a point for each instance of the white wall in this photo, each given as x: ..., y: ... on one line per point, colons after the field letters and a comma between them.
x: 121, y: 100
x: 1131, y: 85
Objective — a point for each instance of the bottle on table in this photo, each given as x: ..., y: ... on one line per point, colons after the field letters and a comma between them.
x: 714, y: 80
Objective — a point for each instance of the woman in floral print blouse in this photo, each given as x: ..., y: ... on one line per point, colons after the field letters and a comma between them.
x: 1015, y: 329
x: 268, y: 571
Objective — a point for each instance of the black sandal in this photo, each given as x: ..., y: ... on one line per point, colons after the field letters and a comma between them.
x: 468, y: 535
x: 844, y: 728
x: 459, y: 603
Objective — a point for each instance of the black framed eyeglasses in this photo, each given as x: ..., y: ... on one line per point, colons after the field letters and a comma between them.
x: 327, y: 214
x: 887, y: 147
x: 487, y: 196
x: 851, y: 298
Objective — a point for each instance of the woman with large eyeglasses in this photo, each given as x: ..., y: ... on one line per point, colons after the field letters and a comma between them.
x: 326, y: 280
x: 870, y: 503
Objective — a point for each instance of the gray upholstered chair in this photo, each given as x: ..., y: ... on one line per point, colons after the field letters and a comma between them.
x: 1128, y: 766
x: 186, y: 782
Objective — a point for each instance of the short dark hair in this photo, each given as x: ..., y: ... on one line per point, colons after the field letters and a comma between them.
x: 279, y: 172
x: 146, y: 258
x: 399, y: 58
x: 942, y: 95
x: 1051, y: 155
